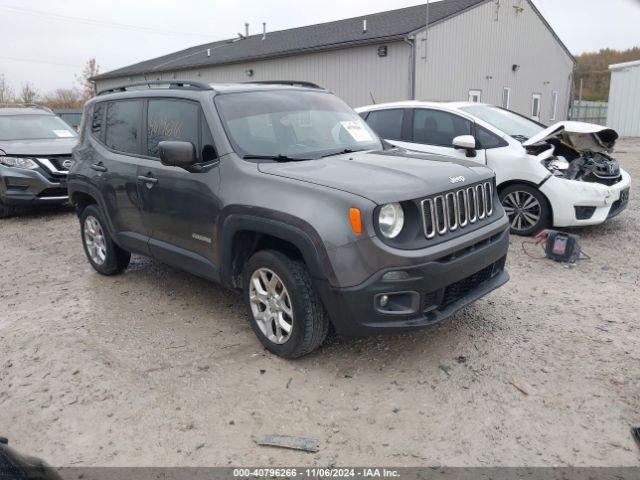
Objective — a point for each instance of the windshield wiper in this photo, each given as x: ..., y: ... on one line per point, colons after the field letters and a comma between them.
x: 278, y: 158
x: 520, y: 138
x: 343, y: 151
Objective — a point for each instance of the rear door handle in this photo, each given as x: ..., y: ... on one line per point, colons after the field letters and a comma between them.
x: 142, y: 178
x: 98, y: 167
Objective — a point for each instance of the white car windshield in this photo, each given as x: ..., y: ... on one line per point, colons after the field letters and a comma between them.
x: 34, y: 127
x: 293, y: 124
x: 512, y: 124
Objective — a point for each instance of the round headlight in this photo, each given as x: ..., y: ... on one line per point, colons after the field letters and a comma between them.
x: 391, y: 220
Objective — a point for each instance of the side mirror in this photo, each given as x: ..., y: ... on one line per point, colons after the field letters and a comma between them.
x: 177, y: 154
x: 466, y: 142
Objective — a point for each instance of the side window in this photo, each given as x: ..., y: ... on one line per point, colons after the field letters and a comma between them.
x: 435, y: 127
x: 487, y: 139
x: 387, y: 123
x: 96, y: 120
x: 209, y: 152
x: 122, y: 125
x: 171, y: 120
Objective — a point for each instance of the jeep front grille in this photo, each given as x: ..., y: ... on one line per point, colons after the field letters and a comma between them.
x: 457, y: 209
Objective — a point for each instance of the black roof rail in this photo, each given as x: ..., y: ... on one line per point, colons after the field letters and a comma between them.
x: 186, y: 84
x: 293, y: 83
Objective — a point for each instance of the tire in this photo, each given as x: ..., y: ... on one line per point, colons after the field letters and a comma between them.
x: 5, y: 210
x: 309, y: 323
x: 103, y: 254
x: 530, y: 220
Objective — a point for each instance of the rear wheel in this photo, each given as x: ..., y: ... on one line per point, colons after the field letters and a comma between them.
x: 103, y: 254
x: 284, y: 310
x: 5, y: 210
x: 527, y: 208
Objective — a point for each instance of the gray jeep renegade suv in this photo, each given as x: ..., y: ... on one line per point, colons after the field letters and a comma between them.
x: 283, y: 191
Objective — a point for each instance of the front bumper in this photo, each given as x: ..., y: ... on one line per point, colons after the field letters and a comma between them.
x: 606, y: 201
x: 437, y: 288
x: 20, y: 187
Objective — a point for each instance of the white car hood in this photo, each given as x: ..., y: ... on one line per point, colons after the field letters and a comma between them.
x: 581, y: 136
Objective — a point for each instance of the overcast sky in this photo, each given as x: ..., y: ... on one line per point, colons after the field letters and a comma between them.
x: 47, y: 42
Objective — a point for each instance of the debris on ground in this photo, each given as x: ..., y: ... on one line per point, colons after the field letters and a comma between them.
x: 305, y: 444
x: 518, y: 387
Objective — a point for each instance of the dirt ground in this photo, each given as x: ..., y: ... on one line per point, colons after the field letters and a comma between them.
x: 158, y: 367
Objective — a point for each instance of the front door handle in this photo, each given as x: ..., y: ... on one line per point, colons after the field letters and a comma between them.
x: 98, y: 167
x: 148, y: 180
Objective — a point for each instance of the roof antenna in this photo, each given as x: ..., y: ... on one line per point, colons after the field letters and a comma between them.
x: 264, y: 30
x: 372, y: 99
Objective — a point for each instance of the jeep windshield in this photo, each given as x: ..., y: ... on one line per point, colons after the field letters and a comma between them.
x: 34, y: 127
x: 289, y: 125
x: 514, y: 125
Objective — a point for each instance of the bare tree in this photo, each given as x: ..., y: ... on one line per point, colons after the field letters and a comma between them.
x: 6, y: 92
x: 63, y: 98
x: 91, y: 69
x: 28, y: 94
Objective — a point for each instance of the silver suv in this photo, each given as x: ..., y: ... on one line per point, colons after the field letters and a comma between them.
x: 35, y: 156
x: 283, y: 192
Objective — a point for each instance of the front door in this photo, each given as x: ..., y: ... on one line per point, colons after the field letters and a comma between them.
x: 180, y: 208
x: 433, y: 131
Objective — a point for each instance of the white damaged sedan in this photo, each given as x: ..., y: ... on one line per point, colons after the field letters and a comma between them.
x: 560, y: 176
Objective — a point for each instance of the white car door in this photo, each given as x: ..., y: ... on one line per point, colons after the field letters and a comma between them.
x: 432, y: 130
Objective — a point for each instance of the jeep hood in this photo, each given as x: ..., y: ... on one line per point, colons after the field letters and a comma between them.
x: 579, y: 135
x: 34, y: 148
x: 383, y: 176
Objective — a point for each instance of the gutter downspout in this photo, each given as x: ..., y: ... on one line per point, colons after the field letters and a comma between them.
x: 411, y: 41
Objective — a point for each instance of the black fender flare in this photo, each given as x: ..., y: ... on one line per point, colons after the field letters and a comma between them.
x: 287, y: 227
x: 75, y: 186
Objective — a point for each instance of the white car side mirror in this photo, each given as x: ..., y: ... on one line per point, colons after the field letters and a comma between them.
x: 465, y: 142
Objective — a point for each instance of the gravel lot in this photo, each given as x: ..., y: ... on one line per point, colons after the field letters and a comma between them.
x: 158, y: 367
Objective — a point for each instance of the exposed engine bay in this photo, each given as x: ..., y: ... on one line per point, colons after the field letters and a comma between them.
x: 577, y: 151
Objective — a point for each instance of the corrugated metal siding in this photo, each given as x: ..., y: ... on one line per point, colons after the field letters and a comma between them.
x: 355, y: 74
x: 474, y: 51
x: 624, y: 101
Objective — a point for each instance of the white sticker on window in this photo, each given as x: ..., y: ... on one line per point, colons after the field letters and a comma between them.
x: 357, y: 131
x: 63, y: 133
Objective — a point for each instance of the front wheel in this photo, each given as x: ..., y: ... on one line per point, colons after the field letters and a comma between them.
x: 103, y: 254
x: 527, y: 208
x: 284, y: 310
x: 5, y: 210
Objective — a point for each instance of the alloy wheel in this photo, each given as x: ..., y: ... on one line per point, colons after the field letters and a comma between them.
x: 94, y: 240
x: 271, y: 305
x: 523, y: 209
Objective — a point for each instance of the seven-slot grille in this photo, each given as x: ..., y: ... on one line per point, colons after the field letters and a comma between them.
x: 457, y: 209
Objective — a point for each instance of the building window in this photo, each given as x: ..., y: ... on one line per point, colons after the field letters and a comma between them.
x: 554, y: 105
x: 475, y: 96
x: 506, y: 97
x: 535, y: 106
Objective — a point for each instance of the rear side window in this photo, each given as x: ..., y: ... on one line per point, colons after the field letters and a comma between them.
x: 387, y: 123
x: 171, y: 120
x: 435, y: 127
x: 122, y: 126
x: 96, y: 120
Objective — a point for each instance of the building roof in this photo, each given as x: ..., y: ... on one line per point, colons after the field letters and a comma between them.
x: 620, y: 66
x: 383, y: 26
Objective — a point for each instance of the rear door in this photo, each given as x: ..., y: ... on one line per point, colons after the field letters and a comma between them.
x: 117, y: 127
x: 180, y: 208
x: 432, y: 131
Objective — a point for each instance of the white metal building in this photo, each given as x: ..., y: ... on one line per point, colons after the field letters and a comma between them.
x: 495, y: 51
x: 623, y: 114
